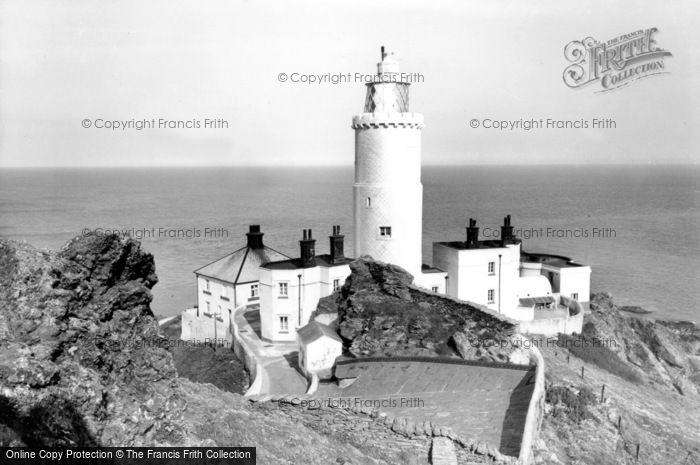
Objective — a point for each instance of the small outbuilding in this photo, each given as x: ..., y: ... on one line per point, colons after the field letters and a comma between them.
x: 319, y: 346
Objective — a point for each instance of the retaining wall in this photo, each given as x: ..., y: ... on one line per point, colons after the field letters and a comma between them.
x: 199, y: 328
x: 535, y: 411
x: 246, y: 355
x: 552, y: 326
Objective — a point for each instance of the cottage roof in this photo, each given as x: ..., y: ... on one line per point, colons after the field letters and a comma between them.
x: 315, y: 330
x: 240, y: 266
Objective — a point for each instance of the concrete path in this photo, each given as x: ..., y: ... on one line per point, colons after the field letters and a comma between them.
x: 278, y: 360
x: 482, y: 403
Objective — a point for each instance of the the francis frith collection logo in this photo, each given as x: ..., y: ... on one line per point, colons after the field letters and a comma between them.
x: 616, y: 63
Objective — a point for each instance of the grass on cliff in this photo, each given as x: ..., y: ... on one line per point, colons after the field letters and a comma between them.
x: 204, y: 363
x: 593, y: 352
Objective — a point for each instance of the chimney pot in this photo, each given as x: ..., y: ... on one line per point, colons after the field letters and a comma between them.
x: 255, y: 237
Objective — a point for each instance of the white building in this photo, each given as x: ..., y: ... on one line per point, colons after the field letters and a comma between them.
x: 499, y: 275
x: 233, y: 280
x: 483, y: 272
x: 319, y: 347
x: 567, y: 278
x: 290, y: 289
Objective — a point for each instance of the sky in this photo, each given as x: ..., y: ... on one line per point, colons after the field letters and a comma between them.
x: 65, y: 63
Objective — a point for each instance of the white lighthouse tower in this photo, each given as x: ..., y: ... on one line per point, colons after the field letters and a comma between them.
x: 388, y: 194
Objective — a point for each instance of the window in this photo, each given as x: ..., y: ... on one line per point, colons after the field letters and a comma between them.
x: 207, y: 287
x: 368, y: 202
x: 284, y: 324
x: 385, y: 231
x: 574, y: 296
x: 436, y: 289
x: 208, y: 310
x: 491, y: 296
x: 224, y: 292
x: 284, y: 290
x: 253, y: 291
x: 336, y: 284
x: 492, y: 267
x: 218, y: 312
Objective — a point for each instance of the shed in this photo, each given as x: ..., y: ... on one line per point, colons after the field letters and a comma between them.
x: 319, y: 346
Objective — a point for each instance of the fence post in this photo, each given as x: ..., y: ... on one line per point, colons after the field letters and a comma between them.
x: 619, y: 424
x: 602, y: 394
x: 637, y: 452
x: 582, y: 371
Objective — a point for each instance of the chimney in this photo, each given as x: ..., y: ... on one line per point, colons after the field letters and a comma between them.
x: 308, y: 250
x: 506, y: 232
x: 337, y: 252
x: 472, y: 234
x: 255, y: 237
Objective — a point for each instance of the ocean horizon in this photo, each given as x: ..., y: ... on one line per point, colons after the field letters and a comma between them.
x: 635, y: 225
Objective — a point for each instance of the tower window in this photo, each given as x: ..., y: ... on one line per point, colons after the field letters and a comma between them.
x: 336, y: 284
x: 385, y: 231
x: 490, y: 296
x: 284, y: 324
x: 574, y: 296
x: 436, y: 289
x: 253, y: 290
x: 368, y: 202
x: 492, y: 267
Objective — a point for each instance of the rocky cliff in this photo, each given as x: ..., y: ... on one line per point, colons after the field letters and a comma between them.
x: 381, y: 314
x: 665, y: 352
x: 637, y: 391
x: 82, y: 363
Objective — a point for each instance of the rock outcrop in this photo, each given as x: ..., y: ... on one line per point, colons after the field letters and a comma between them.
x: 665, y: 351
x: 380, y: 313
x: 82, y: 362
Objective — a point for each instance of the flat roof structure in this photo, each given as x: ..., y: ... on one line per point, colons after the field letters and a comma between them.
x: 479, y: 401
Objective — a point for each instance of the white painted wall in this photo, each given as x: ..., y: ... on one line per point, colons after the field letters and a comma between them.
x: 220, y: 297
x: 469, y: 277
x: 198, y: 328
x: 319, y: 356
x: 576, y: 280
x: 430, y: 281
x: 387, y: 189
x: 316, y: 282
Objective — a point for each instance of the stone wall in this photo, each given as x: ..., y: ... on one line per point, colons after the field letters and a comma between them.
x: 535, y: 412
x: 246, y: 355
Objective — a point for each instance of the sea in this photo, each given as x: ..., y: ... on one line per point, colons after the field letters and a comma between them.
x: 638, y: 227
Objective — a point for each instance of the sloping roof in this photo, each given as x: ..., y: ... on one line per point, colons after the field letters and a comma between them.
x: 530, y: 301
x: 240, y: 266
x: 316, y: 330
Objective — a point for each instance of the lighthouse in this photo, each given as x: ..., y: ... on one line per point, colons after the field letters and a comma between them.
x: 387, y: 192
